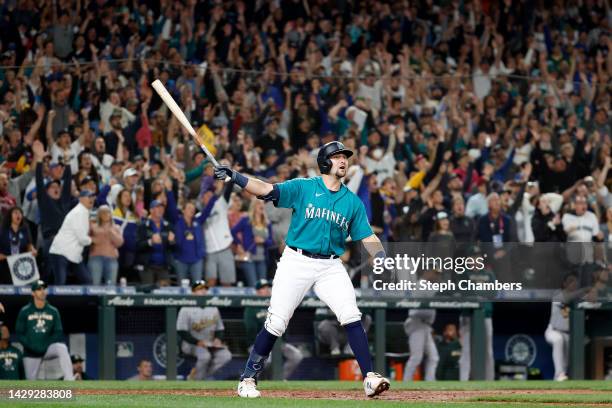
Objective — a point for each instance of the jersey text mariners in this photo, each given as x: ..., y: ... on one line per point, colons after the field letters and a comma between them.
x: 322, y: 219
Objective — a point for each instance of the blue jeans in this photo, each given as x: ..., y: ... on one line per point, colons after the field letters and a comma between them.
x: 103, y: 270
x: 253, y: 271
x: 186, y: 271
x: 61, y: 266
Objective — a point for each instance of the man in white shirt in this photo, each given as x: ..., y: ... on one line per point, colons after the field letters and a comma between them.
x: 477, y: 204
x: 66, y: 252
x: 582, y: 229
x: 65, y: 151
x: 103, y: 161
x: 220, y: 264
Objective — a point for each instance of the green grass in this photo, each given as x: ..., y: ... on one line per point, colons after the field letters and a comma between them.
x: 318, y: 385
x: 550, y: 398
x: 603, y: 395
x: 188, y: 402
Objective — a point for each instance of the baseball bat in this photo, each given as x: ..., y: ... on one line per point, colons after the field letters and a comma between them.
x: 180, y: 115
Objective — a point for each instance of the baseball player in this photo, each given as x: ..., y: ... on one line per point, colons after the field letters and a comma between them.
x: 201, y: 329
x: 11, y: 359
x: 465, y: 325
x: 418, y: 329
x: 325, y: 214
x: 331, y: 334
x: 39, y: 330
x: 558, y: 331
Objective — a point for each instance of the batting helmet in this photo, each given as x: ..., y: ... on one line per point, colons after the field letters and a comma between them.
x: 328, y: 150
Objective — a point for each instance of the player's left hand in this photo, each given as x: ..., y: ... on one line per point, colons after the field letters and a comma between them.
x: 223, y: 172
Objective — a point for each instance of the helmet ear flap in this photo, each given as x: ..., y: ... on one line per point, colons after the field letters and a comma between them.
x: 326, y: 166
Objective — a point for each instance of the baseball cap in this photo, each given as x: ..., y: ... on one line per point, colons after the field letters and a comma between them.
x: 197, y: 285
x: 38, y: 284
x: 270, y: 153
x: 155, y: 203
x: 116, y: 112
x: 86, y: 193
x: 441, y: 215
x: 86, y: 179
x: 76, y: 358
x: 418, y: 158
x: 157, y: 162
x: 51, y: 182
x: 262, y: 283
x: 55, y: 164
x: 130, y: 172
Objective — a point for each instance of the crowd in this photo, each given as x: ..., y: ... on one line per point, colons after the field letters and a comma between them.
x: 471, y: 121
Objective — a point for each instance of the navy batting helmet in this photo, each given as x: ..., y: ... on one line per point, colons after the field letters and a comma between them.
x: 327, y: 151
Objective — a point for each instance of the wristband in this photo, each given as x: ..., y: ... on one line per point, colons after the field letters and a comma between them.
x: 380, y: 254
x: 240, y: 179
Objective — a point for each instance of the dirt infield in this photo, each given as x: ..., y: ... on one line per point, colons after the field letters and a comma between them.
x: 398, y: 395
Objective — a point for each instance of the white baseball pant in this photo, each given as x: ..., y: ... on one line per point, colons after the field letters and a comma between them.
x: 208, y: 361
x: 295, y: 275
x: 465, y: 362
x: 560, y: 344
x: 421, y: 344
x: 31, y: 365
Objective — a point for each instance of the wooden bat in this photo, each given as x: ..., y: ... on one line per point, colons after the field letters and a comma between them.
x: 180, y: 115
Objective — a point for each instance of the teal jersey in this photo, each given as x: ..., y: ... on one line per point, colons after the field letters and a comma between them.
x: 322, y: 219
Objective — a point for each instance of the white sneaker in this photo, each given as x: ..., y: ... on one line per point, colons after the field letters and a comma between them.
x: 335, y: 351
x: 248, y: 388
x: 562, y: 377
x: 375, y: 384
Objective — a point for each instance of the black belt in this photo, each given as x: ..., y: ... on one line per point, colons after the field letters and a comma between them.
x: 311, y: 255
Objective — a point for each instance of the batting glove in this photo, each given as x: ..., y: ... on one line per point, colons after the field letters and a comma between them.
x: 223, y: 172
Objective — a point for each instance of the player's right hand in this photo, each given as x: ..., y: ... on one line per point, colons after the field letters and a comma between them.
x: 223, y: 172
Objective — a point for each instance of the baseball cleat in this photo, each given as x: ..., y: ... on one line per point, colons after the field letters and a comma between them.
x: 247, y: 388
x: 562, y: 377
x: 375, y: 384
x: 335, y: 351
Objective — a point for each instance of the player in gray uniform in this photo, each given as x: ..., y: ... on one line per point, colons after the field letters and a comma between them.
x: 200, y: 329
x: 418, y: 329
x: 558, y: 330
x: 465, y: 324
x: 330, y: 332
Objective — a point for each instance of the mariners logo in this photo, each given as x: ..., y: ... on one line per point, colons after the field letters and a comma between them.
x: 159, y: 351
x: 521, y: 349
x: 24, y: 268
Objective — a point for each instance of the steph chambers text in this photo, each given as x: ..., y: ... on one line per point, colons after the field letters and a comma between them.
x: 452, y: 286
